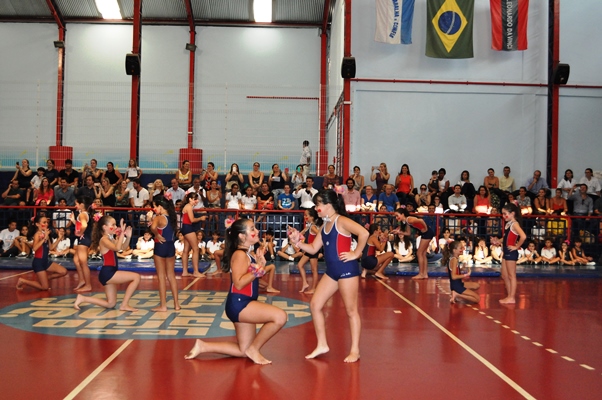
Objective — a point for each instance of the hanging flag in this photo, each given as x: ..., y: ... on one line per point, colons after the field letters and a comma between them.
x: 509, y: 24
x: 449, y: 28
x: 394, y: 21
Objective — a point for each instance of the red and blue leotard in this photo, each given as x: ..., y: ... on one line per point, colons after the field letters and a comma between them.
x: 510, y: 239
x: 166, y: 249
x: 336, y: 243
x: 238, y: 299
x: 40, y: 258
x: 109, y: 267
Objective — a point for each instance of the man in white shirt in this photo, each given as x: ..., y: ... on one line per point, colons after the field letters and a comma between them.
x: 139, y: 197
x: 457, y: 202
x: 196, y: 188
x: 7, y: 237
x: 306, y: 193
x: 593, y: 185
x: 177, y: 193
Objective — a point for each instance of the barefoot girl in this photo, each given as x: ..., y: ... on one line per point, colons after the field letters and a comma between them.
x: 376, y: 244
x: 312, y: 226
x: 456, y: 285
x: 342, y: 269
x: 426, y: 234
x: 242, y: 307
x: 44, y: 270
x: 189, y: 232
x: 109, y: 274
x: 163, y: 226
x: 83, y: 232
x: 514, y: 237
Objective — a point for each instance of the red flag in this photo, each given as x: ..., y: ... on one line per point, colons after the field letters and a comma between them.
x: 509, y: 24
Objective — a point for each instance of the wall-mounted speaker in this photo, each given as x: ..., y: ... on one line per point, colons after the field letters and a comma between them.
x: 132, y: 64
x: 348, y: 68
x: 561, y: 74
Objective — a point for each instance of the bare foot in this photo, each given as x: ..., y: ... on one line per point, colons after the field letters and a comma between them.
x: 381, y: 277
x: 159, y: 309
x: 453, y: 297
x: 177, y: 308
x: 352, y: 357
x: 85, y: 288
x: 216, y: 272
x: 198, y: 348
x: 305, y: 286
x: 185, y: 274
x: 507, y: 300
x: 127, y: 308
x: 20, y: 284
x: 318, y: 351
x: 419, y: 277
x: 199, y: 275
x: 311, y: 291
x: 79, y: 285
x: 363, y: 273
x: 256, y: 356
x: 271, y: 289
x: 78, y: 300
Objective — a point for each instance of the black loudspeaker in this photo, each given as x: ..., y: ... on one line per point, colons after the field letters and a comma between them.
x: 132, y: 64
x: 348, y: 68
x: 561, y: 74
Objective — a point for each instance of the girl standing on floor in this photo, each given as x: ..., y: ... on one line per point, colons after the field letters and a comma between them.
x: 342, y: 269
x: 376, y: 244
x: 242, y: 307
x: 402, y: 215
x: 312, y: 227
x: 456, y: 284
x: 109, y: 276
x: 189, y: 232
x: 514, y: 237
x: 45, y: 271
x: 164, y: 225
x: 83, y: 232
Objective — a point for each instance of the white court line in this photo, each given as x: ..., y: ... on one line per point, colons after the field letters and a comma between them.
x: 97, y: 371
x: 476, y: 355
x: 191, y: 283
x: 12, y: 276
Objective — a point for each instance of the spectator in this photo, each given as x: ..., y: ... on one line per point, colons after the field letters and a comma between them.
x: 305, y: 193
x: 60, y: 218
x: 351, y: 196
x: 369, y: 199
x: 388, y: 199
x: 286, y: 200
x: 64, y: 191
x: 13, y: 196
x: 358, y: 178
x: 331, y: 179
x: 113, y: 175
x: 457, y: 202
x: 88, y: 188
x: 277, y: 180
x: 176, y: 192
x: 506, y: 181
x: 70, y: 175
x: 184, y: 175
x: 381, y: 176
x: 51, y: 173
x: 139, y: 196
x: 583, y: 206
x: 305, y: 159
x: 593, y: 185
x: 7, y: 237
x: 567, y: 184
x: 535, y: 183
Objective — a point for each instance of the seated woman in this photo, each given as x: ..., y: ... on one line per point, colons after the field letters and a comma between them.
x: 44, y: 192
x: 358, y: 178
x: 492, y: 183
x: 445, y: 239
x: 558, y: 204
x: 524, y: 202
x: 145, y: 246
x: 63, y: 244
x: 481, y: 253
x: 234, y: 176
x: 369, y: 199
x: 184, y: 175
x: 542, y: 203
x: 438, y: 205
x: 422, y: 199
x: 256, y: 178
x: 23, y: 243
x: 403, y: 248
x: 156, y: 188
x: 331, y: 179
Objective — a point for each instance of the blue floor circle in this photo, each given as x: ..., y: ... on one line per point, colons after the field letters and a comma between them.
x: 202, y: 316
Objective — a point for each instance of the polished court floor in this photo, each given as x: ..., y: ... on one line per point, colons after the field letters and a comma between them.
x: 414, y: 344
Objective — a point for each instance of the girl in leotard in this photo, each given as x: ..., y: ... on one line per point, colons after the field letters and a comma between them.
x: 312, y: 226
x: 109, y: 275
x: 426, y: 234
x: 83, y: 232
x: 342, y: 269
x: 514, y: 237
x: 376, y: 264
x: 456, y: 285
x: 163, y: 225
x: 45, y: 271
x: 242, y: 307
x: 189, y: 232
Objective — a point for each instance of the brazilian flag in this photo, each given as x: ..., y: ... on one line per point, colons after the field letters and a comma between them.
x: 449, y: 28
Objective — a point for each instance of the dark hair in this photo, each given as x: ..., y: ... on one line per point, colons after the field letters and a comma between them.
x: 467, y: 175
x: 32, y: 228
x: 85, y: 200
x: 188, y: 197
x: 232, y: 241
x: 448, y: 251
x: 306, y: 143
x: 314, y: 214
x: 406, y: 240
x: 511, y: 207
x: 403, y: 212
x: 329, y: 196
x: 401, y: 169
x: 373, y: 228
x: 486, y: 191
x: 442, y: 170
x: 350, y: 179
x: 490, y: 169
x: 160, y: 200
x: 41, y: 169
x: 68, y: 161
x: 136, y: 180
x: 269, y: 232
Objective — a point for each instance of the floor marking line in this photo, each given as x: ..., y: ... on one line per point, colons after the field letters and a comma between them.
x: 526, y: 337
x: 537, y: 344
x: 191, y: 283
x: 97, y: 371
x: 476, y: 355
x: 567, y: 358
x: 587, y: 367
x: 552, y: 351
x: 12, y: 276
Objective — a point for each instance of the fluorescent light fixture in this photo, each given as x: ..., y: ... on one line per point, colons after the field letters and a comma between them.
x: 262, y: 10
x: 109, y: 9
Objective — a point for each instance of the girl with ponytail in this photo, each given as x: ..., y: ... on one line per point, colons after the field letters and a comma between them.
x: 242, y: 307
x: 426, y: 234
x: 163, y: 226
x: 83, y: 231
x: 456, y: 285
x: 342, y: 268
x: 514, y: 237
